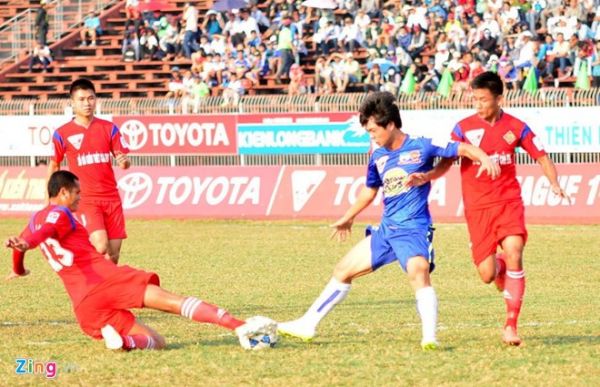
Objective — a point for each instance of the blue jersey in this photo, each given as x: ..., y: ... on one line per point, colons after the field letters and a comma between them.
x: 404, y: 206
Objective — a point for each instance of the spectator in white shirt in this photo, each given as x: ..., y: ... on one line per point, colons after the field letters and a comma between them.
x: 190, y: 38
x: 350, y: 37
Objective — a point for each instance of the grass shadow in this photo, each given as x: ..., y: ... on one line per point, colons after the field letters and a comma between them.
x: 565, y: 340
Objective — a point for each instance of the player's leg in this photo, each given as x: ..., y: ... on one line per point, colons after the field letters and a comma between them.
x: 99, y: 239
x: 514, y: 286
x: 114, y: 221
x: 114, y: 249
x: 484, y: 243
x: 139, y: 336
x: 157, y: 298
x: 193, y: 308
x: 91, y: 215
x: 353, y: 265
x: 417, y: 269
x: 414, y: 251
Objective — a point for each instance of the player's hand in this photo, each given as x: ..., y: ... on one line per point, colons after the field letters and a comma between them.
x: 342, y: 229
x: 12, y: 275
x: 122, y: 160
x: 16, y: 243
x: 560, y: 192
x: 416, y: 179
x: 490, y: 167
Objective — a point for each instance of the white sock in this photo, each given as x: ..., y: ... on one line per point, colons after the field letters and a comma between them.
x: 333, y: 294
x: 427, y: 306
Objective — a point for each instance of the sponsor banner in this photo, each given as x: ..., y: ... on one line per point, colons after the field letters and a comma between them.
x: 202, y: 192
x: 179, y: 134
x: 22, y: 190
x: 294, y: 118
x: 308, y: 133
x: 561, y: 130
x: 319, y: 192
x: 299, y: 192
x: 30, y: 135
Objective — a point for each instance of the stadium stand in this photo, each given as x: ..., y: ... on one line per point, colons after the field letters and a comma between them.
x: 357, y: 47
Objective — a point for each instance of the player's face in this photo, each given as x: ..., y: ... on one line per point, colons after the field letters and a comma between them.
x: 486, y: 104
x: 70, y: 198
x: 379, y: 134
x: 84, y: 102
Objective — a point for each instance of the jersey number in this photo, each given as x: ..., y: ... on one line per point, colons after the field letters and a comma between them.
x: 58, y: 257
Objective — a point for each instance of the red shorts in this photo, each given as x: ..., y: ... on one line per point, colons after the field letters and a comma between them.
x: 489, y: 226
x: 103, y: 215
x: 110, y: 301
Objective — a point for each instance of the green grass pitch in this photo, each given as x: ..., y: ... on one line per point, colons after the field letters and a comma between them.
x: 277, y: 269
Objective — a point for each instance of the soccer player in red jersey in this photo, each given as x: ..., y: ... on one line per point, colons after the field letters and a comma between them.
x: 102, y: 292
x: 89, y: 143
x: 494, y: 209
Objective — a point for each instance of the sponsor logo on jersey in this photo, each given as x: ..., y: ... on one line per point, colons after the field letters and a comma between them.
x: 474, y: 136
x: 394, y: 182
x: 76, y: 140
x: 412, y: 157
x: 509, y: 137
x: 93, y: 158
x: 52, y: 217
x: 502, y: 158
x: 380, y: 163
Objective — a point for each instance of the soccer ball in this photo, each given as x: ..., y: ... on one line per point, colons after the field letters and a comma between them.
x: 262, y: 341
x: 258, y: 333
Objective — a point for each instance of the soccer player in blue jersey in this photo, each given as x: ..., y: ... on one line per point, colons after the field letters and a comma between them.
x: 405, y: 233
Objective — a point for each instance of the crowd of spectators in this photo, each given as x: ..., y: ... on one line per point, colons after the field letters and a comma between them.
x: 368, y: 44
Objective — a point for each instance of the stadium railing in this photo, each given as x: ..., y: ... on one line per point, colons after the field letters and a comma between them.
x: 551, y: 97
x: 297, y: 104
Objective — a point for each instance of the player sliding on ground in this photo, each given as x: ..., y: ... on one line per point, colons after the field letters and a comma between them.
x: 405, y: 233
x: 102, y: 292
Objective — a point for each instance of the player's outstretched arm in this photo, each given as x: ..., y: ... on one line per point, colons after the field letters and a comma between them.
x: 343, y: 226
x: 476, y: 154
x: 549, y: 170
x: 18, y: 269
x: 420, y: 178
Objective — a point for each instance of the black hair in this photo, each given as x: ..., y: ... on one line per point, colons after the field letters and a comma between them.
x: 61, y: 179
x: 81, y: 84
x: 488, y: 80
x: 380, y: 105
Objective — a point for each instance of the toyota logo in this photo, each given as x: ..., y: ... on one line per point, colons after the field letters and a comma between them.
x: 134, y: 133
x: 136, y: 187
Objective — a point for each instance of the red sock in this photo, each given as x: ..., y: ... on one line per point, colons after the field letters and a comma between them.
x: 18, y: 266
x: 138, y: 342
x: 513, y: 296
x: 500, y: 264
x: 201, y: 311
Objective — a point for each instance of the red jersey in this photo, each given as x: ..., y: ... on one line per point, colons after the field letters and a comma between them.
x: 88, y: 153
x: 499, y: 142
x: 69, y: 251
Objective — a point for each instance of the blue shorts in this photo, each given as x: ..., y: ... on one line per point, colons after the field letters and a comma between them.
x: 388, y: 245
